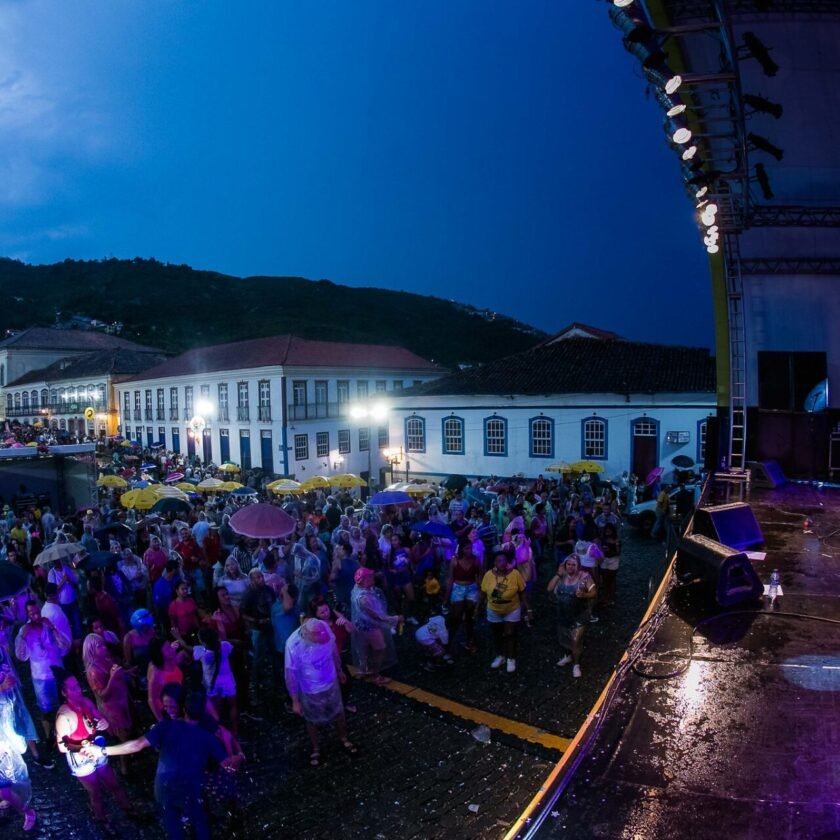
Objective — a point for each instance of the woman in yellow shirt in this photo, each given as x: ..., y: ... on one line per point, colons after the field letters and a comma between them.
x: 504, y: 591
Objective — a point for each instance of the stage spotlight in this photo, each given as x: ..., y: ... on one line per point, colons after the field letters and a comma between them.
x: 713, y: 249
x: 672, y: 105
x: 689, y: 153
x: 701, y: 192
x: 760, y: 53
x: 764, y: 145
x: 763, y: 181
x: 663, y: 78
x: 631, y: 21
x: 623, y: 4
x: 759, y: 103
x: 677, y: 131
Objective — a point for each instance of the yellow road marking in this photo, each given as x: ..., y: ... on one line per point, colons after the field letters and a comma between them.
x: 523, y: 731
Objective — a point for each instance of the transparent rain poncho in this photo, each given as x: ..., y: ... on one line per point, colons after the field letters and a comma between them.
x: 307, y: 573
x: 13, y: 772
x: 311, y: 672
x: 372, y: 644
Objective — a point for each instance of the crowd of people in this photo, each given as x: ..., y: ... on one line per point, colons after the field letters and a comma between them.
x: 177, y: 628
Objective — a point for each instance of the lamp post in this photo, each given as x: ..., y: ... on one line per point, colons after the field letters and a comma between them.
x: 393, y: 457
x: 369, y: 412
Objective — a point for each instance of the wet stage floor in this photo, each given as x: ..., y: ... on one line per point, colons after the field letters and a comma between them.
x: 730, y: 729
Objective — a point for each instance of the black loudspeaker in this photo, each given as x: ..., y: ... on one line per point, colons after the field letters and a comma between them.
x: 734, y: 525
x: 711, y: 458
x: 766, y: 474
x: 727, y: 573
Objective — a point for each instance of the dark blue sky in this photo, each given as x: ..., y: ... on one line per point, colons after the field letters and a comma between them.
x: 501, y: 154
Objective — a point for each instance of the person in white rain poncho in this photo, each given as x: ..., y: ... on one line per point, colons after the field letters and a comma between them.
x: 307, y: 572
x: 372, y: 645
x: 313, y: 677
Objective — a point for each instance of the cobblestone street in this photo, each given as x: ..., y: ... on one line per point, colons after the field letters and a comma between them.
x: 419, y: 773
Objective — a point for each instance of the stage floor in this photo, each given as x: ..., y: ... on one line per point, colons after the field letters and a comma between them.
x: 745, y: 741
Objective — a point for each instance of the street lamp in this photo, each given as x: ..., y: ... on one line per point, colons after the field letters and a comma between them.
x: 337, y: 463
x: 369, y: 412
x: 393, y: 457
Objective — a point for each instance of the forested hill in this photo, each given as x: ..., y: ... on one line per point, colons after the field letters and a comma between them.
x: 175, y: 308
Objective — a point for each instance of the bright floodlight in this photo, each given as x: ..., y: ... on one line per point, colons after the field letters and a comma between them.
x: 623, y: 4
x: 203, y: 407
x: 689, y: 153
x: 673, y: 84
x: 378, y: 411
x: 681, y: 136
x: 358, y: 412
x: 701, y: 192
x: 712, y: 208
x: 675, y: 111
x: 713, y: 249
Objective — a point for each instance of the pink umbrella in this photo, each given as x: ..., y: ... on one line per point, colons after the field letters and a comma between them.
x: 17, y: 445
x: 173, y: 476
x: 262, y: 522
x: 653, y: 475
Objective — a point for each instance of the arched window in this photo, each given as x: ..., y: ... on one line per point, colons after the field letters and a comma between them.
x: 415, y: 434
x: 45, y: 397
x: 495, y: 436
x: 34, y: 399
x: 24, y: 401
x: 541, y: 437
x: 9, y: 403
x: 17, y: 400
x: 594, y: 439
x: 453, y: 436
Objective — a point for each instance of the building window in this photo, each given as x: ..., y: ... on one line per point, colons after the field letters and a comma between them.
x: 321, y: 394
x: 242, y: 407
x: 265, y: 400
x: 25, y: 402
x: 161, y: 434
x: 362, y: 389
x: 136, y: 405
x: 126, y: 405
x: 301, y: 447
x: 173, y: 403
x: 453, y: 436
x: 594, y: 443
x: 381, y: 386
x: 299, y: 392
x: 223, y: 402
x: 100, y: 395
x: 415, y: 434
x: 343, y: 441
x: 34, y: 400
x: 160, y: 406
x: 342, y: 389
x: 398, y: 384
x: 384, y: 437
x: 702, y: 431
x: 364, y: 439
x: 495, y: 436
x: 45, y: 399
x: 644, y: 428
x: 541, y: 437
x: 148, y: 404
x: 188, y: 401
x: 322, y: 444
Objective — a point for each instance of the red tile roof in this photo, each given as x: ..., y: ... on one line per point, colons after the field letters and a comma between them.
x: 49, y: 338
x: 290, y: 351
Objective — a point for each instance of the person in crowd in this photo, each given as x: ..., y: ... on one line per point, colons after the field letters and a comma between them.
x: 372, y: 644
x: 41, y: 644
x: 611, y: 549
x: 234, y: 582
x: 256, y: 612
x: 433, y: 639
x: 15, y: 787
x: 184, y: 615
x: 342, y: 573
x: 503, y: 590
x: 230, y: 626
x: 164, y: 667
x: 399, y: 578
x: 574, y: 591
x: 66, y: 580
x: 52, y: 611
x: 313, y: 678
x: 135, y: 644
x: 133, y: 570
x: 163, y: 592
x: 78, y: 723
x: 214, y: 655
x: 663, y: 504
x: 462, y: 594
x: 342, y: 629
x: 307, y: 574
x: 154, y: 559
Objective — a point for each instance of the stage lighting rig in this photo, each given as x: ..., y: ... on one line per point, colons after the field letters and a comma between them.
x: 754, y: 47
x: 678, y: 132
x: 763, y: 181
x: 765, y: 106
x: 764, y: 145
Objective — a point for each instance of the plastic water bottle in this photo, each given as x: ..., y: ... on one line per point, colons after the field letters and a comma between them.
x: 773, y: 589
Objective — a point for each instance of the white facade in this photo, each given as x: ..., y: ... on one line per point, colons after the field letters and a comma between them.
x: 290, y: 421
x: 505, y: 435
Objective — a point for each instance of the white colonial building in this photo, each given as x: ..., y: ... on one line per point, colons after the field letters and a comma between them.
x: 288, y: 405
x: 583, y: 394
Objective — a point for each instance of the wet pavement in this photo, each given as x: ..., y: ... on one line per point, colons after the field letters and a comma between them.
x: 419, y: 773
x: 741, y: 740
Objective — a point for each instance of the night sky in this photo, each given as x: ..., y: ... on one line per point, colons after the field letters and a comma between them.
x: 502, y: 154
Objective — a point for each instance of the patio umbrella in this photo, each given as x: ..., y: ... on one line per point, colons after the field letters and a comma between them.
x: 145, y: 499
x: 210, y: 485
x: 230, y: 486
x: 149, y: 466
x: 455, y: 482
x: 114, y: 529
x: 587, y: 466
x: 315, y: 482
x: 682, y: 461
x: 653, y: 475
x: 173, y: 477
x: 185, y: 487
x: 190, y: 480
x: 229, y: 467
x: 98, y: 560
x: 390, y: 497
x: 170, y: 505
x: 139, y: 484
x: 347, y: 480
x: 434, y: 529
x: 164, y: 491
x: 559, y: 467
x: 13, y: 580
x: 284, y: 485
x: 418, y: 489
x: 111, y: 481
x: 262, y: 522
x: 127, y: 444
x: 57, y: 551
x: 127, y: 499
x: 242, y: 492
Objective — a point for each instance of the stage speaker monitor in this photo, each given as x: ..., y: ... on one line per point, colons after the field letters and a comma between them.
x: 734, y: 525
x: 766, y: 474
x: 729, y: 574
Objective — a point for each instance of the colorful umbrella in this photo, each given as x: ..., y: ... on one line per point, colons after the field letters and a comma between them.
x: 390, y: 497
x: 284, y: 485
x: 435, y: 529
x: 230, y: 486
x: 559, y: 467
x: 229, y: 467
x: 242, y: 492
x: 419, y: 489
x: 347, y: 480
x: 587, y: 466
x: 262, y: 522
x: 98, y: 560
x: 210, y: 485
x: 57, y: 551
x: 682, y: 461
x: 185, y: 487
x: 173, y: 477
x: 315, y: 482
x: 13, y: 580
x: 653, y: 475
x: 170, y: 505
x: 111, y: 481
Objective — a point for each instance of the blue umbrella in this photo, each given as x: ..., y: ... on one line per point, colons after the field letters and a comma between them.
x: 244, y: 491
x: 149, y: 467
x: 434, y: 529
x: 170, y: 506
x: 98, y: 560
x: 390, y: 497
x: 139, y: 484
x: 13, y: 580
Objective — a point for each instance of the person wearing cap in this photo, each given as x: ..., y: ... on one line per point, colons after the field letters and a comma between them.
x: 313, y: 679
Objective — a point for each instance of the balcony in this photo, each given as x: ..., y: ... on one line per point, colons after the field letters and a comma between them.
x: 173, y: 413
x: 188, y: 413
x: 160, y: 414
x: 53, y: 409
x: 147, y: 414
x: 265, y: 414
x: 138, y: 415
x: 243, y: 413
x: 224, y: 416
x: 318, y: 411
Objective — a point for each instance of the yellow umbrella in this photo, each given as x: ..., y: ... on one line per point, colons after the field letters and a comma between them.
x: 315, y: 482
x: 210, y: 485
x: 418, y: 489
x: 126, y: 443
x: 284, y: 486
x: 111, y: 481
x: 163, y: 491
x: 347, y: 480
x: 127, y: 499
x: 32, y: 443
x: 231, y: 485
x: 145, y: 499
x: 587, y: 466
x: 185, y: 486
x: 229, y: 467
x: 558, y: 467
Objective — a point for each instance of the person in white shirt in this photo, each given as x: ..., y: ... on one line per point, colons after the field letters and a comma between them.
x: 64, y: 576
x: 52, y: 611
x: 201, y: 528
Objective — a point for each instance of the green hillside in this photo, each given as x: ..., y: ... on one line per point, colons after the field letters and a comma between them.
x: 175, y: 308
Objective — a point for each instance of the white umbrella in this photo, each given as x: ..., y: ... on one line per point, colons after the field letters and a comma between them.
x: 58, y: 551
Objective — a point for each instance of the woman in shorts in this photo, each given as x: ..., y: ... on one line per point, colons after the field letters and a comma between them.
x: 462, y: 594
